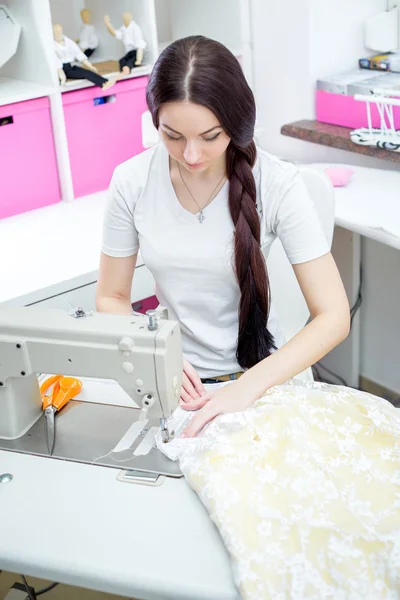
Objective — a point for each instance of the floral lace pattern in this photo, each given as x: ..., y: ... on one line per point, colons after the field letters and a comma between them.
x: 305, y: 490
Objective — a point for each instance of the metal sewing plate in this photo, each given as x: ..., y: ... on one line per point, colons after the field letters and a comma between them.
x: 86, y: 432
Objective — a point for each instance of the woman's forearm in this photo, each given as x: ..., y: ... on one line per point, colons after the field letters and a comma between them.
x: 115, y: 306
x: 306, y: 348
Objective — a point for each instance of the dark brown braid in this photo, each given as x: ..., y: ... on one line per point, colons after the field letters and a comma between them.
x: 254, y: 340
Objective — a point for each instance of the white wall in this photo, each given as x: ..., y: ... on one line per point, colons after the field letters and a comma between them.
x: 217, y: 19
x: 296, y: 41
x: 337, y: 34
x: 163, y: 21
x: 67, y: 14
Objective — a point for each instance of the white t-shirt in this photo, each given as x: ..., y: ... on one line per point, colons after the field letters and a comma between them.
x: 192, y: 262
x: 68, y: 52
x: 88, y: 37
x: 131, y: 37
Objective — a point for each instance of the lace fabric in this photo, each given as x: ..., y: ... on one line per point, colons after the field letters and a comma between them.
x: 305, y: 490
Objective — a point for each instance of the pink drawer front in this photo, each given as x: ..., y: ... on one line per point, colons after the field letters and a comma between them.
x: 337, y: 109
x: 103, y: 130
x: 29, y: 177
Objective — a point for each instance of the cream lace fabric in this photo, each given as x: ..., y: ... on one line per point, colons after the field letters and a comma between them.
x: 305, y: 491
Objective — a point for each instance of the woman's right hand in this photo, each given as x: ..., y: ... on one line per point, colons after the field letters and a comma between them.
x: 192, y: 386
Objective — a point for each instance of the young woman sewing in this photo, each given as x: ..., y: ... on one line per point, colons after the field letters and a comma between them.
x: 302, y: 480
x: 204, y: 206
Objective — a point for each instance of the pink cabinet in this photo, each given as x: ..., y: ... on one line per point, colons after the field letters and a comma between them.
x: 28, y: 168
x: 103, y: 130
x: 338, y: 109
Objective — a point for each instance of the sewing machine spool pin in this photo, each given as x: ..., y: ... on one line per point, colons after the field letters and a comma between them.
x: 152, y: 316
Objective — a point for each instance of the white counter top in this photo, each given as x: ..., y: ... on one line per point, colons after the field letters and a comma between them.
x: 370, y: 204
x: 51, y: 250
x: 77, y: 524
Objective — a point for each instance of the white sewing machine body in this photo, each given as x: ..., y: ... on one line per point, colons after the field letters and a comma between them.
x: 143, y: 355
x: 107, y: 534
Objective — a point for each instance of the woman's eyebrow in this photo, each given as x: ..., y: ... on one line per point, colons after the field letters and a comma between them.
x: 204, y: 132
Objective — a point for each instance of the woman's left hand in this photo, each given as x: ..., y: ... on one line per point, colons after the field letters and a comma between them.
x: 227, y: 399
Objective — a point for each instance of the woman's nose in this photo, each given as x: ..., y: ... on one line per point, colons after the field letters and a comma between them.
x: 191, y: 154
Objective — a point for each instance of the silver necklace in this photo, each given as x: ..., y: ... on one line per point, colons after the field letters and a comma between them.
x: 200, y: 216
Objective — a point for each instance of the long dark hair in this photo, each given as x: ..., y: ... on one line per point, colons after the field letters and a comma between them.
x: 205, y: 72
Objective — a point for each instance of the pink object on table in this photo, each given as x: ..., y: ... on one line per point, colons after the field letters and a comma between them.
x: 28, y: 167
x: 103, y: 130
x: 338, y: 109
x: 339, y: 176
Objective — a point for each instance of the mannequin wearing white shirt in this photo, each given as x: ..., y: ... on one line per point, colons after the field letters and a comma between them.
x: 67, y: 52
x: 88, y: 40
x: 131, y: 36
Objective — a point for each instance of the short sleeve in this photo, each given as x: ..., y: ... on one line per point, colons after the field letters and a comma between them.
x: 93, y: 39
x: 57, y: 61
x: 57, y: 56
x: 79, y: 55
x: 297, y: 224
x: 120, y: 237
x: 139, y: 40
x: 118, y: 33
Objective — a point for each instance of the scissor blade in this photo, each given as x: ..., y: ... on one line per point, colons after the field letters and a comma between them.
x: 50, y: 428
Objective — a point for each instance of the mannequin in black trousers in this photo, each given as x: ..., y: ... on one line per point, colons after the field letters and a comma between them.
x: 74, y: 72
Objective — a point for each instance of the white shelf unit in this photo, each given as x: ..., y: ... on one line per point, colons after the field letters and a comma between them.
x: 17, y: 90
x: 31, y: 72
x: 67, y: 14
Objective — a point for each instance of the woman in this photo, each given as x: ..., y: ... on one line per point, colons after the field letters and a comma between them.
x: 203, y: 207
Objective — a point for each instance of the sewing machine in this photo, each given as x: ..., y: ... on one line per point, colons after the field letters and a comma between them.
x: 141, y: 353
x: 69, y: 522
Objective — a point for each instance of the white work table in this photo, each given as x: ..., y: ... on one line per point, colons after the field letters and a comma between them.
x: 76, y: 523
x: 369, y: 204
x: 367, y: 207
x: 51, y: 250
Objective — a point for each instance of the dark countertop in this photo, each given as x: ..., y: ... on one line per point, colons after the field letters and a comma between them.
x: 335, y: 137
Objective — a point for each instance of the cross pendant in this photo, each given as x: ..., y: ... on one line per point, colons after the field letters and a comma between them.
x: 201, y: 217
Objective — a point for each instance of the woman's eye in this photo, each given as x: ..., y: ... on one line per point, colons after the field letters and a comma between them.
x: 212, y: 138
x: 171, y: 137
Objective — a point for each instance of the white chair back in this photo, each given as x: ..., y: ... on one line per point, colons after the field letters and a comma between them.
x: 287, y: 297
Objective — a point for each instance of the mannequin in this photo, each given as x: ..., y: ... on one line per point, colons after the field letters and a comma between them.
x: 88, y: 40
x: 131, y: 36
x: 66, y: 53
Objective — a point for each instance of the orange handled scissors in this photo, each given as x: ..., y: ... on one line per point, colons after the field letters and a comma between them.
x: 64, y: 389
